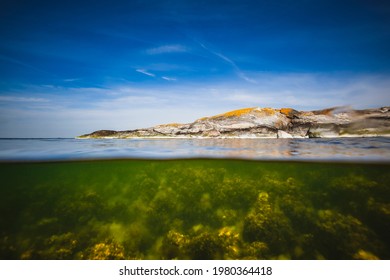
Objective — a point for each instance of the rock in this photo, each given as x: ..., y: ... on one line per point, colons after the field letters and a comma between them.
x: 283, y: 134
x: 211, y: 133
x: 270, y: 123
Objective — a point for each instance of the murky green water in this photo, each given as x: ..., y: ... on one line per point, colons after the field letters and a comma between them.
x: 194, y: 209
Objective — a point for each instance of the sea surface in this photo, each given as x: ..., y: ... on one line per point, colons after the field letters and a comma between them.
x: 321, y: 149
x: 195, y: 198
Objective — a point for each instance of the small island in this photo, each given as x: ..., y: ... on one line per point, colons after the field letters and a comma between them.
x: 259, y: 122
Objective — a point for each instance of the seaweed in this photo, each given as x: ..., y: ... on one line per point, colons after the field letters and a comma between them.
x: 194, y: 209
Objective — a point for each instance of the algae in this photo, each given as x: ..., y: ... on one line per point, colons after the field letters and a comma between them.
x: 194, y: 209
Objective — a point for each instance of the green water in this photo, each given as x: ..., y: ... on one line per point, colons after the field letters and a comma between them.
x: 194, y: 209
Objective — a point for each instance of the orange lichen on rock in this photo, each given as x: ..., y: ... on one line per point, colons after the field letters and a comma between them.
x: 328, y: 111
x: 268, y: 111
x: 240, y: 112
x: 203, y: 119
x: 288, y: 112
x: 170, y: 124
x: 235, y: 113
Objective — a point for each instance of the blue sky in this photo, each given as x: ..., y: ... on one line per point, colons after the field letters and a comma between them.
x: 72, y: 67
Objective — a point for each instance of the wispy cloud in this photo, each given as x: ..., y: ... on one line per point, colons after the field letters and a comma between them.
x: 167, y: 49
x: 309, y: 91
x: 66, y: 112
x: 10, y: 98
x: 21, y: 63
x: 168, y: 78
x: 226, y: 59
x: 145, y: 72
x: 245, y: 77
x: 148, y: 73
x: 71, y: 80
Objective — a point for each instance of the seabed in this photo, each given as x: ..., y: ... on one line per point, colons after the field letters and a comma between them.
x: 194, y: 209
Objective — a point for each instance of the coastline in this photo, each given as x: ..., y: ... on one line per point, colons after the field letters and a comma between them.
x: 232, y: 137
x: 268, y: 123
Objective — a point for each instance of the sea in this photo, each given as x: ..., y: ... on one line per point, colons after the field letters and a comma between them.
x: 162, y: 199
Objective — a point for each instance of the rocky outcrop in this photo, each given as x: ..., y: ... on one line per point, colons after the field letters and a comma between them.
x: 270, y: 123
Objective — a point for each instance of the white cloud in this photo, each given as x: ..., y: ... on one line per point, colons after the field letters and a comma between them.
x: 167, y: 49
x: 143, y: 71
x: 311, y: 91
x: 11, y: 98
x: 168, y: 78
x: 68, y: 112
x: 71, y: 80
x: 148, y: 73
x: 245, y: 77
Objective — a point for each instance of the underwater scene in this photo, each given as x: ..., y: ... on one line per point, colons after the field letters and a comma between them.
x: 194, y: 209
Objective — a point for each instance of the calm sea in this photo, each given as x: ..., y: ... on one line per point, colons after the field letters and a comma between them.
x: 348, y: 149
x: 195, y: 199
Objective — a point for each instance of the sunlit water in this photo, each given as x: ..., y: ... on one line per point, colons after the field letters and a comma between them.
x: 159, y: 202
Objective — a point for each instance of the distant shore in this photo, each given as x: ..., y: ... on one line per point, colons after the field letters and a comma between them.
x: 233, y: 137
x: 268, y: 123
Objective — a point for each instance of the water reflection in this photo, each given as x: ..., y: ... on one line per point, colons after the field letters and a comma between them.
x: 295, y: 149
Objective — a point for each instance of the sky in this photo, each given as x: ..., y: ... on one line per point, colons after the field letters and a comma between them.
x: 72, y: 67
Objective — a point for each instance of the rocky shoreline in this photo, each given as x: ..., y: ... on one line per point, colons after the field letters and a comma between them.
x: 269, y: 123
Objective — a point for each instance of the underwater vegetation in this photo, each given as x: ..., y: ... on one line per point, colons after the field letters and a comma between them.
x: 194, y: 209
